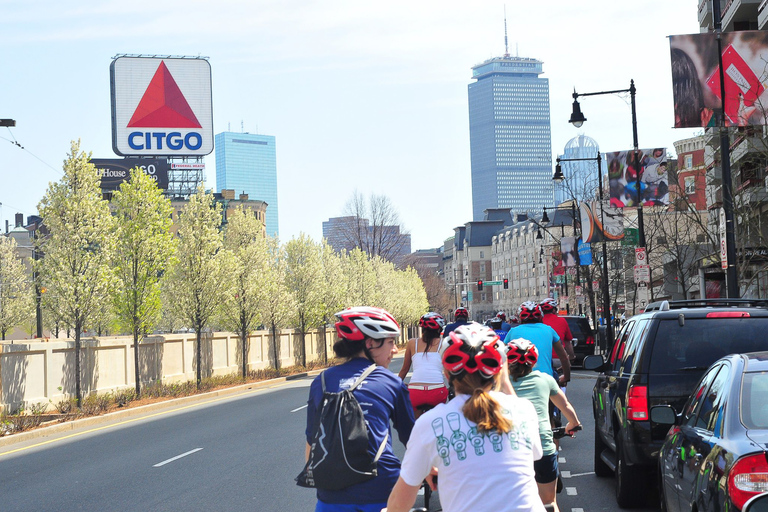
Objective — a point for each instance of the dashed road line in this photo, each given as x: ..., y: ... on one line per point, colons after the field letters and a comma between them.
x: 561, y: 460
x: 582, y: 474
x: 565, y: 474
x: 571, y: 491
x: 299, y: 408
x: 190, y: 452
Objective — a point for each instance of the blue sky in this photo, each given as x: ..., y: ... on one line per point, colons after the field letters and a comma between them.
x: 367, y: 96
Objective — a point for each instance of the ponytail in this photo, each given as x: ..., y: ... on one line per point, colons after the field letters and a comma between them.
x: 481, y: 408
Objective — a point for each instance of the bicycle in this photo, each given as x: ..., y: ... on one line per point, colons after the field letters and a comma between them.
x: 559, y: 433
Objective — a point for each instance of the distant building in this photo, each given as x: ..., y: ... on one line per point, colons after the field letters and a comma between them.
x: 346, y: 233
x: 581, y: 176
x: 229, y: 202
x: 691, y: 174
x: 246, y: 163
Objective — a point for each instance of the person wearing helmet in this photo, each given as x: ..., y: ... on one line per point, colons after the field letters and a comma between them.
x: 460, y: 317
x: 541, y: 389
x: 482, y: 443
x: 427, y: 385
x: 543, y: 337
x: 366, y: 336
x: 504, y: 325
x: 497, y: 326
x: 560, y: 325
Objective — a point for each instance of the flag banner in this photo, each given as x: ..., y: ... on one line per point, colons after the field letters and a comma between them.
x: 558, y: 268
x: 628, y: 187
x: 585, y: 253
x: 696, y: 86
x: 592, y: 228
x: 569, y: 250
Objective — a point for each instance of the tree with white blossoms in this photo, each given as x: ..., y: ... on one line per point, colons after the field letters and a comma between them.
x: 277, y: 302
x: 16, y: 294
x: 197, y: 279
x: 402, y: 292
x: 303, y: 279
x: 361, y: 285
x: 333, y: 290
x: 248, y: 262
x: 79, y: 248
x: 144, y: 248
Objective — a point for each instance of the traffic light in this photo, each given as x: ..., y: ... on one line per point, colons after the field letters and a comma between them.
x: 506, y: 284
x: 479, y: 286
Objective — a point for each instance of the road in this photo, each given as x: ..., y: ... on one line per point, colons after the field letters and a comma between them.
x: 229, y: 453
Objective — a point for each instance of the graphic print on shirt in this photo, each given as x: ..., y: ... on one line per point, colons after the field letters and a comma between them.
x: 458, y: 438
x: 477, y: 440
x: 442, y: 443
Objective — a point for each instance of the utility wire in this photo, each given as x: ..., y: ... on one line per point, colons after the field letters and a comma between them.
x: 15, y: 143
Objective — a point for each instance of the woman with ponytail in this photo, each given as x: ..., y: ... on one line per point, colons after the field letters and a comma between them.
x: 427, y: 386
x: 482, y: 443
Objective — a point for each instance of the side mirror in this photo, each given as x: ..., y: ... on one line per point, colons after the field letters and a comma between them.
x: 575, y: 341
x: 594, y: 363
x: 664, y: 414
x: 757, y: 503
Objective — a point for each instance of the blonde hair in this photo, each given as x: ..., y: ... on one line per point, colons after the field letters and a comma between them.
x: 481, y: 408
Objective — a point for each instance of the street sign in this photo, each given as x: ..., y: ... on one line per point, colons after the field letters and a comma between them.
x: 595, y: 286
x: 631, y: 237
x: 581, y: 299
x: 469, y: 296
x: 492, y: 283
x: 579, y: 291
x: 642, y: 274
x: 642, y: 295
x: 640, y: 256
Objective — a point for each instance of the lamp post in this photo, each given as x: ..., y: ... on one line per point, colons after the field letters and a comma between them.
x: 577, y: 119
x: 559, y: 178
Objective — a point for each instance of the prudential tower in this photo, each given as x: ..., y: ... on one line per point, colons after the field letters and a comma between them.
x: 509, y: 135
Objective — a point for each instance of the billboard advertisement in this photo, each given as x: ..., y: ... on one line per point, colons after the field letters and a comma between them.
x: 161, y: 106
x: 628, y: 187
x: 114, y: 171
x: 592, y: 228
x: 570, y: 251
x: 696, y: 82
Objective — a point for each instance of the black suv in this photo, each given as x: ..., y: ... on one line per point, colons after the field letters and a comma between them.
x: 585, y: 336
x: 657, y: 358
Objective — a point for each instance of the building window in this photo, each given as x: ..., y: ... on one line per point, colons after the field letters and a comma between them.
x: 690, y: 185
x: 688, y: 161
x: 482, y: 254
x: 482, y: 267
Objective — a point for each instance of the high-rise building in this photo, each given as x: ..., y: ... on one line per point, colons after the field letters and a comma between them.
x: 581, y: 176
x: 509, y: 135
x: 246, y: 163
x: 346, y: 233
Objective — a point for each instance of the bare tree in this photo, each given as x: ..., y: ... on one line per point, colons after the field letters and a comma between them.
x: 374, y: 226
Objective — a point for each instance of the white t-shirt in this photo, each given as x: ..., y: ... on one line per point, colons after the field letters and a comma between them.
x: 427, y: 368
x: 477, y: 471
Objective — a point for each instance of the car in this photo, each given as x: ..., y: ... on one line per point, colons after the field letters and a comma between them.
x: 657, y: 359
x: 584, y: 336
x: 714, y: 457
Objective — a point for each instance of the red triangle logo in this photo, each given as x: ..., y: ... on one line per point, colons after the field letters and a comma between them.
x: 163, y: 105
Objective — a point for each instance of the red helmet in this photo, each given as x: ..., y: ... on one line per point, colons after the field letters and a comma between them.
x: 461, y: 312
x: 432, y: 321
x: 548, y: 305
x: 471, y: 348
x: 355, y: 324
x: 529, y: 311
x: 522, y: 351
x: 502, y: 315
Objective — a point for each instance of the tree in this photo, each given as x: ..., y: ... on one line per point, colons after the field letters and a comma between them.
x: 76, y: 266
x: 373, y: 225
x: 303, y: 280
x: 197, y: 279
x: 144, y: 248
x: 16, y: 295
x: 277, y: 301
x: 249, y: 259
x: 333, y: 289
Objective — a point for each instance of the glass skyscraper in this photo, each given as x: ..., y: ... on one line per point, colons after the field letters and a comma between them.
x: 246, y: 163
x: 509, y: 135
x: 581, y: 176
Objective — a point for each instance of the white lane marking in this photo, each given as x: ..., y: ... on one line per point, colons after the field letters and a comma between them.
x: 561, y: 460
x: 566, y: 474
x: 571, y: 491
x: 299, y: 408
x: 583, y: 474
x: 577, y: 510
x: 176, y: 457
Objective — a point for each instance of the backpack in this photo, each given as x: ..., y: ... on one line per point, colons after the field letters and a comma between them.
x: 338, y: 455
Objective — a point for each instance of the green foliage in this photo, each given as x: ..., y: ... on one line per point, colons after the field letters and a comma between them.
x: 16, y: 292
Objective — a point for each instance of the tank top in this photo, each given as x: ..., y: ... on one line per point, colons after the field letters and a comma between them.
x: 427, y: 368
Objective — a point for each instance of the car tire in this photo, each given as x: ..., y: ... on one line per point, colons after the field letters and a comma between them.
x: 602, y: 469
x: 630, y: 482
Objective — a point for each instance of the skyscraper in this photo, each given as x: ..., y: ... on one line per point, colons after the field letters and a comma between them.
x: 509, y: 135
x: 246, y: 163
x: 581, y: 176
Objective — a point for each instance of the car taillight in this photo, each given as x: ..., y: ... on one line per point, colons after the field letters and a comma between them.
x: 637, y: 403
x: 728, y: 314
x: 748, y: 477
x: 590, y: 340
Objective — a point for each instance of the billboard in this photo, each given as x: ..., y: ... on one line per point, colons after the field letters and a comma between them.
x: 592, y: 229
x: 628, y: 187
x: 696, y: 78
x: 569, y: 250
x: 115, y: 171
x: 161, y: 106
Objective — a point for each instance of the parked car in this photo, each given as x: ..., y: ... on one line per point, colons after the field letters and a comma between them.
x: 657, y: 359
x: 584, y: 336
x: 714, y: 456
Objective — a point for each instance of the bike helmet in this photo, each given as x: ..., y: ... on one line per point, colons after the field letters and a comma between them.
x: 355, y: 324
x: 548, y: 305
x: 432, y: 321
x: 502, y: 315
x: 471, y: 348
x: 522, y: 351
x: 529, y: 311
x: 461, y: 312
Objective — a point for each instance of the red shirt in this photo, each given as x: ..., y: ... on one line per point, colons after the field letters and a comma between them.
x: 560, y: 325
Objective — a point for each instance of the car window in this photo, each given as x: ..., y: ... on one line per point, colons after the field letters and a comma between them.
x: 708, y: 411
x: 692, y: 408
x: 579, y: 327
x: 617, y: 354
x: 630, y: 351
x: 754, y: 406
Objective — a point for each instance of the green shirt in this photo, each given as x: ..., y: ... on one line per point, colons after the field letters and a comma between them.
x: 538, y: 387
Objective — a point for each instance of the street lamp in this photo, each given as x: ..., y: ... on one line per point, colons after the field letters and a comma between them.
x: 577, y: 119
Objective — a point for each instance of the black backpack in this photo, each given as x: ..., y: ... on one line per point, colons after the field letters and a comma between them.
x: 338, y: 455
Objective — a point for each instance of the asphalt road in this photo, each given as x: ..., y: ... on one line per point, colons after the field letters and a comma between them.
x: 229, y: 453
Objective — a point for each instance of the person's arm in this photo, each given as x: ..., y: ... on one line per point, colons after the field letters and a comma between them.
x: 306, y: 454
x: 562, y: 403
x: 402, y: 497
x: 402, y: 416
x: 568, y: 343
x: 410, y: 347
x: 505, y: 385
x: 563, y: 356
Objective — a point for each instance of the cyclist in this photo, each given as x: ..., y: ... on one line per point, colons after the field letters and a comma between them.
x: 366, y: 335
x: 540, y: 388
x: 482, y: 443
x: 498, y: 327
x: 427, y: 386
x: 543, y: 337
x: 460, y: 317
x: 560, y: 325
x: 504, y: 325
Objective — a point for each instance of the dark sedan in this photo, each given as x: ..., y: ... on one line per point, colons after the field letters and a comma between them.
x: 584, y: 336
x: 714, y: 457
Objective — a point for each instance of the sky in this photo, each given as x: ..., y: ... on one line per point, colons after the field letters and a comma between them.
x: 361, y: 96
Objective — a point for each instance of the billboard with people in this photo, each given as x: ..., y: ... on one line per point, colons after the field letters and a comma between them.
x: 647, y: 185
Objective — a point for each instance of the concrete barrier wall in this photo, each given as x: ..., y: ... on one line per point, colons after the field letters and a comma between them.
x: 39, y: 371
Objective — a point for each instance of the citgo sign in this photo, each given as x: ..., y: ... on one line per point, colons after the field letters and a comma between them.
x: 161, y: 106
